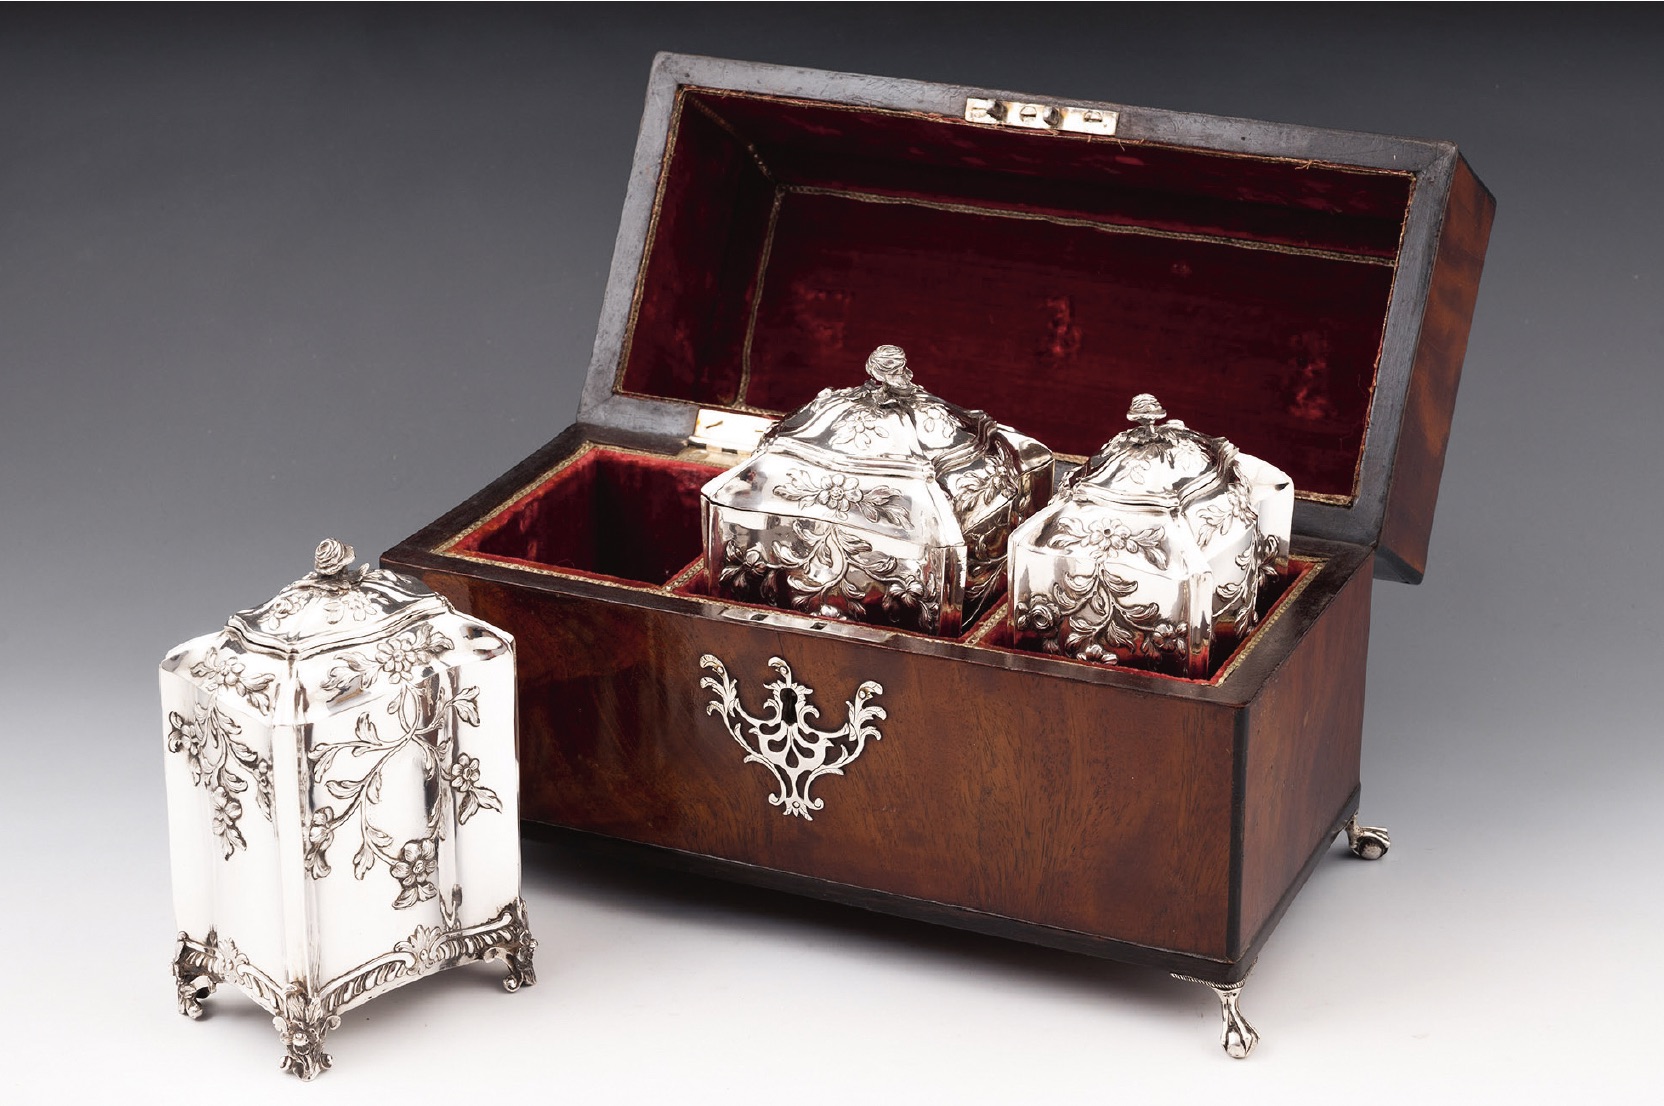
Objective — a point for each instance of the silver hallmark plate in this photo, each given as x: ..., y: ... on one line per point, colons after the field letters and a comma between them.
x: 879, y: 503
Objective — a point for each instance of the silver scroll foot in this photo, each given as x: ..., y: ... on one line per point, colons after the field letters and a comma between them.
x: 1366, y: 842
x: 192, y: 977
x: 1237, y: 1036
x: 520, y: 970
x: 301, y: 1023
x: 516, y: 950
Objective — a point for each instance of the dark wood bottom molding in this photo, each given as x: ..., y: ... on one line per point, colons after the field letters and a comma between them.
x: 958, y: 917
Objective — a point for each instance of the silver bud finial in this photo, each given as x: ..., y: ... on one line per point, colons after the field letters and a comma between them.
x: 888, y: 366
x: 332, y: 556
x: 1146, y: 409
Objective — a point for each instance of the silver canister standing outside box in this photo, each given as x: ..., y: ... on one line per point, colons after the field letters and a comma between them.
x: 1153, y: 548
x: 342, y: 800
x: 878, y: 503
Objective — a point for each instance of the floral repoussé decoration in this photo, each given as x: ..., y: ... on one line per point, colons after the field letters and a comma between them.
x: 843, y: 494
x: 861, y: 427
x: 216, y: 671
x: 981, y: 488
x: 427, y: 713
x: 1110, y: 535
x: 831, y: 572
x: 1238, y: 601
x: 219, y: 761
x: 223, y: 765
x: 1218, y: 518
x: 1093, y: 606
x: 1097, y: 619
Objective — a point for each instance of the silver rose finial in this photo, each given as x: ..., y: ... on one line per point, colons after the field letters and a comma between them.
x: 888, y: 366
x: 332, y: 556
x: 1146, y: 409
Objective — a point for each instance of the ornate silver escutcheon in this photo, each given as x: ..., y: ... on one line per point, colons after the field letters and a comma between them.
x: 783, y: 741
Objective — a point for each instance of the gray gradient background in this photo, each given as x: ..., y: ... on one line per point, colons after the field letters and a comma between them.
x: 269, y: 278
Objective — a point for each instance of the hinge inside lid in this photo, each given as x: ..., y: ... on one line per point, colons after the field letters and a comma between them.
x: 1040, y: 117
x: 728, y: 431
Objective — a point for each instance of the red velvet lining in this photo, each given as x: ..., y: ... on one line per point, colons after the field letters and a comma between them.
x: 615, y: 515
x: 710, y: 228
x: 1236, y: 342
x: 1297, y: 203
x: 1207, y: 293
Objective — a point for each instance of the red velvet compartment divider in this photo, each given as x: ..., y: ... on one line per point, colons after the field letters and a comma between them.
x: 1044, y: 279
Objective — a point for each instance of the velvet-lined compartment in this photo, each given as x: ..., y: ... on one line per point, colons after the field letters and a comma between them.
x: 1044, y: 278
x: 608, y: 513
x: 634, y: 518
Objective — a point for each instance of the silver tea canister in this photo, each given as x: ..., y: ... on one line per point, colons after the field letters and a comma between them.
x: 1153, y: 548
x: 879, y: 503
x: 342, y: 800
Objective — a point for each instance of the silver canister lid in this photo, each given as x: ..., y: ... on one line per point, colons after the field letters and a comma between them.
x: 879, y: 502
x: 335, y: 604
x: 1156, y: 462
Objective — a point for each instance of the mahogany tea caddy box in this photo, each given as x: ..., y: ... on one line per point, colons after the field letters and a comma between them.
x: 1305, y: 292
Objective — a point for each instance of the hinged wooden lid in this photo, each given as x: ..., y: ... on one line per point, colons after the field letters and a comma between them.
x: 1305, y: 293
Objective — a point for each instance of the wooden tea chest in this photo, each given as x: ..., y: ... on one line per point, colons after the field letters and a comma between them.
x: 1305, y: 292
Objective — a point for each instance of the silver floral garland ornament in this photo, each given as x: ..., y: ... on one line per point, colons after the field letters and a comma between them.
x: 372, y: 728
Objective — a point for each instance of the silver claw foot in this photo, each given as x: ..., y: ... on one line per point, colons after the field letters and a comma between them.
x: 1366, y: 842
x: 193, y: 977
x: 1237, y: 1036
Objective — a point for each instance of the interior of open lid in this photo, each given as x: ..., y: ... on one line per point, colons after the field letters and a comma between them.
x: 1044, y: 278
